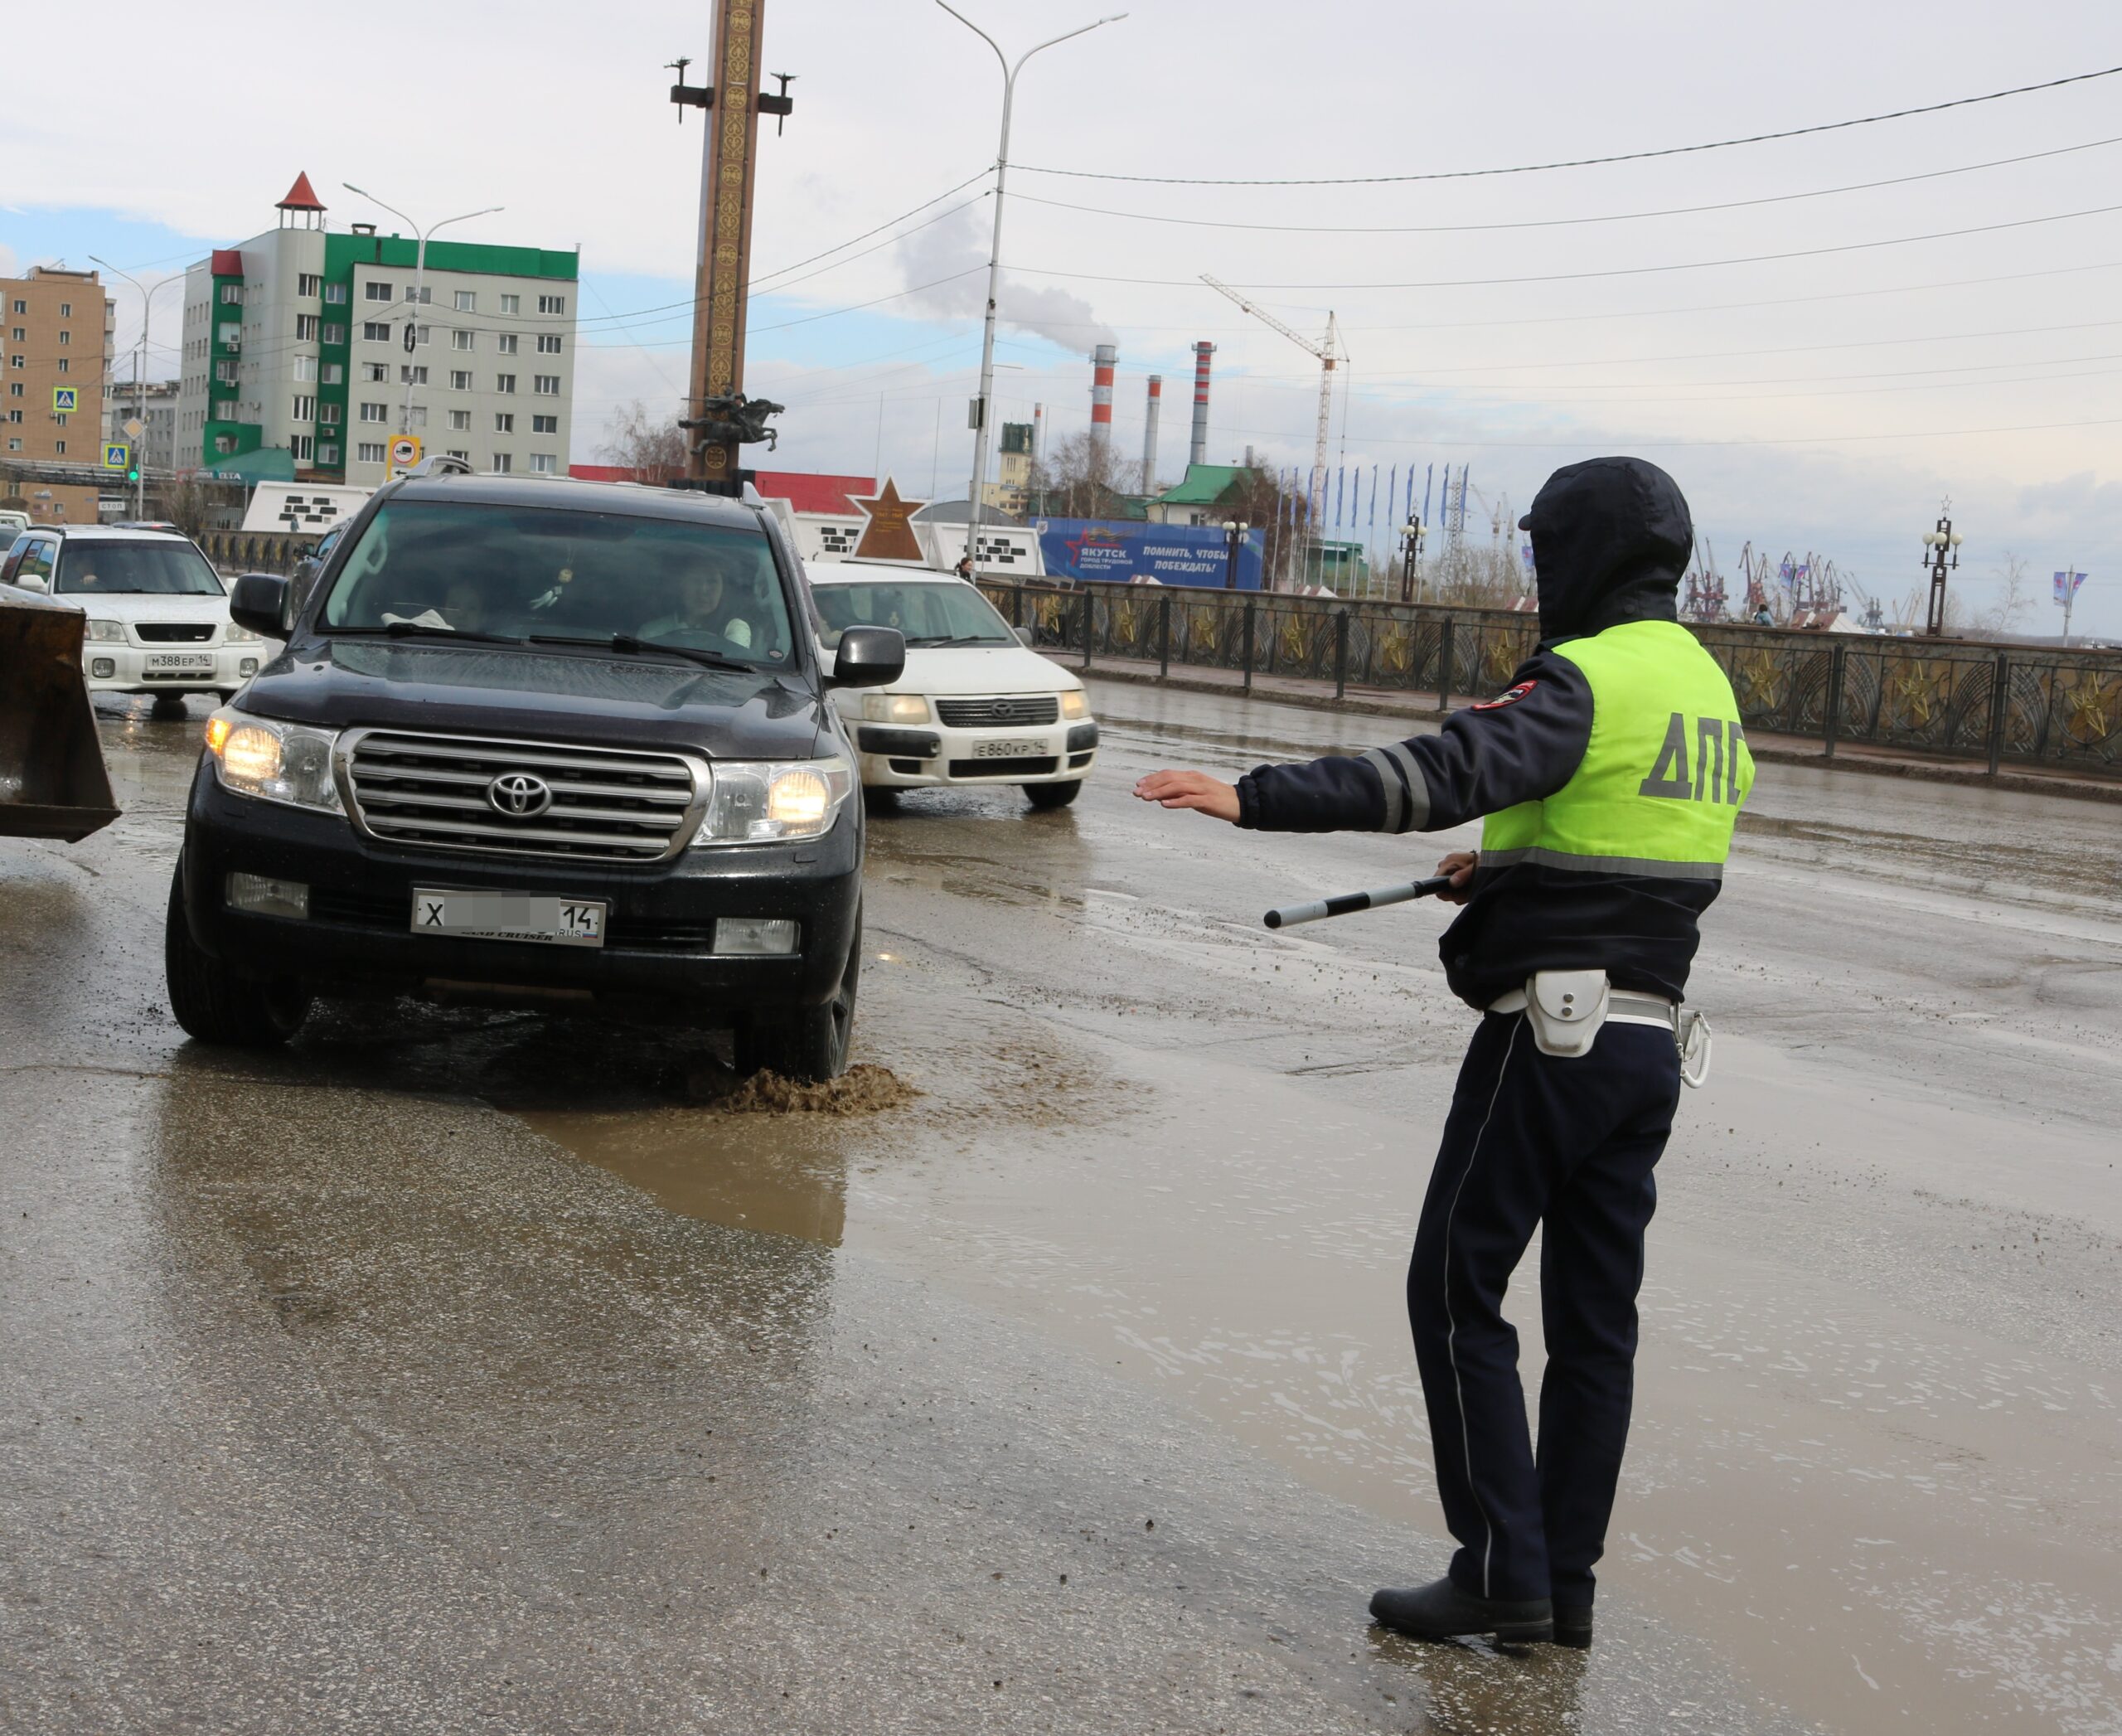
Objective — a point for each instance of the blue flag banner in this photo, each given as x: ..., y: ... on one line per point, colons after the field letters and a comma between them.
x: 1374, y: 498
x: 2066, y: 587
x: 1340, y: 493
x: 1126, y: 552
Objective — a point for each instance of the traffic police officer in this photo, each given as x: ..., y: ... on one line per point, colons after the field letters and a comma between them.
x: 1610, y: 773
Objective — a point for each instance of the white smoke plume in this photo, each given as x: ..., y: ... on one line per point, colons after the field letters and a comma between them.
x: 958, y: 247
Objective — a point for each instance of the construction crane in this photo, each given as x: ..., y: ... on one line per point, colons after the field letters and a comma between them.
x: 1331, y: 354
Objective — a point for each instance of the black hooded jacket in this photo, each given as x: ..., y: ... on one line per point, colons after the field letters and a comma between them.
x: 1610, y: 538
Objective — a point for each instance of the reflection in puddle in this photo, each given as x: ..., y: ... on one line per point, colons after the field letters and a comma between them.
x: 726, y: 1170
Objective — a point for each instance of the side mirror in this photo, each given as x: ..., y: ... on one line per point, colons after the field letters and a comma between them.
x: 870, y: 657
x: 1025, y: 637
x: 34, y: 582
x: 260, y: 602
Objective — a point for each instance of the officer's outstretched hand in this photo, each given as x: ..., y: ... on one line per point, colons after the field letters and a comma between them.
x: 1197, y: 790
x: 1459, y: 866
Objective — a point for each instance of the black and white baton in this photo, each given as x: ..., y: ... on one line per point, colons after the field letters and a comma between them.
x: 1347, y: 904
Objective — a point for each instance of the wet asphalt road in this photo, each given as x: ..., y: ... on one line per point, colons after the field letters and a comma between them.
x: 458, y: 1370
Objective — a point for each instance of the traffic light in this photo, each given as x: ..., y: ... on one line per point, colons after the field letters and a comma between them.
x: 134, y: 474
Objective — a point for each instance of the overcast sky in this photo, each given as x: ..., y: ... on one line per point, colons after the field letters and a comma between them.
x: 1827, y: 402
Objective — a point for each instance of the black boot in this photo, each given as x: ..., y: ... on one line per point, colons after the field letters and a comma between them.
x: 1573, y: 1626
x: 1441, y: 1611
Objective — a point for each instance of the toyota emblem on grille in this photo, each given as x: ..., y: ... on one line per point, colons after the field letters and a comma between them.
x: 520, y: 795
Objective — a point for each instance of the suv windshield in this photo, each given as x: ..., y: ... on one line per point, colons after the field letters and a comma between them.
x: 928, y: 612
x: 96, y: 567
x: 517, y: 572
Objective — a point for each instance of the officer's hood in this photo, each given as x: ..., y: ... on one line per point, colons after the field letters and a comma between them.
x: 1611, y: 538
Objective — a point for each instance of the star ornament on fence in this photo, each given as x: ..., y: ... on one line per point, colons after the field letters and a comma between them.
x: 889, y: 534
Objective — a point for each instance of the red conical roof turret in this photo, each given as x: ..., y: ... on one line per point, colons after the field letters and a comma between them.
x: 300, y: 197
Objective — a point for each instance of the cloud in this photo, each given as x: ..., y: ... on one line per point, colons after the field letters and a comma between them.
x: 957, y: 250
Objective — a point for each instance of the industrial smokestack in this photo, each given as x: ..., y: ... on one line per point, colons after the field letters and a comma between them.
x: 1149, y: 433
x: 1103, y: 360
x: 1038, y: 433
x: 1197, y: 451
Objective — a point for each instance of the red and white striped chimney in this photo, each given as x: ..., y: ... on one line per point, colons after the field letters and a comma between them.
x: 1149, y: 433
x: 1197, y: 451
x: 1104, y: 359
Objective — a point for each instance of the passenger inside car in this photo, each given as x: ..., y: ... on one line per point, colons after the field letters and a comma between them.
x: 703, y: 619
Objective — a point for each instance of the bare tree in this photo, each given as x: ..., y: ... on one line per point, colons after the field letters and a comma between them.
x: 2014, y: 598
x: 1079, y: 477
x: 652, y: 449
x: 189, y: 501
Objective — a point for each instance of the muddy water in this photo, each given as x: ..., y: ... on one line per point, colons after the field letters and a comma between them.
x: 1874, y: 1463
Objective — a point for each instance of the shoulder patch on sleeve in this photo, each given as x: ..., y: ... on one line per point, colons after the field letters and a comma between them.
x: 1501, y: 699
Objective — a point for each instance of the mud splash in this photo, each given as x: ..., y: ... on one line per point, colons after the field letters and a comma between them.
x: 866, y: 1089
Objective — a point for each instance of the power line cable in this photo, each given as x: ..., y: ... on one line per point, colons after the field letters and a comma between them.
x: 1577, y: 162
x: 1626, y: 217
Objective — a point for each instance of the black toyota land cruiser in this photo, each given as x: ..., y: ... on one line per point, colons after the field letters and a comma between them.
x: 534, y: 742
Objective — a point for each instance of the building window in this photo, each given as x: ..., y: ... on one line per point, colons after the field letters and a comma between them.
x: 335, y: 331
x: 14, y: 445
x: 460, y: 340
x: 460, y: 380
x: 335, y: 373
x: 306, y: 325
x: 545, y: 425
x: 328, y: 415
x: 65, y: 310
x: 375, y: 372
x: 369, y: 451
x: 23, y: 307
x: 328, y: 453
x: 544, y: 463
x: 231, y: 295
x: 231, y: 336
x: 225, y: 411
x: 305, y: 408
x: 506, y: 343
x: 21, y: 334
x: 425, y: 333
x: 305, y: 367
x: 376, y: 293
x: 375, y: 330
x: 460, y: 421
x: 545, y: 385
x: 18, y: 361
x: 504, y: 422
x: 468, y: 301
x: 65, y: 365
x: 335, y: 295
x: 502, y: 382
x: 303, y: 447
x: 549, y: 343
x: 509, y: 304
x: 502, y: 463
x: 552, y: 305
x: 411, y: 375
x: 224, y: 444
x: 59, y: 447
x: 459, y: 452
x: 65, y: 338
x: 225, y: 372
x: 307, y: 282
x: 417, y: 416
x: 375, y: 413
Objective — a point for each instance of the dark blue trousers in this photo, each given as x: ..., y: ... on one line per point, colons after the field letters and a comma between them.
x: 1569, y: 1144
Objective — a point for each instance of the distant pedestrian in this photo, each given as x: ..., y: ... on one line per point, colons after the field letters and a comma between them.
x: 964, y: 568
x: 1610, y: 773
x: 1762, y: 618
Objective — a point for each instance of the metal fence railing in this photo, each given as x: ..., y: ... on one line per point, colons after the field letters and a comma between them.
x: 1955, y: 698
x: 255, y: 551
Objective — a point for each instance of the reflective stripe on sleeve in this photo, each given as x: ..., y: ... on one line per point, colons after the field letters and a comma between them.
x: 1650, y: 866
x: 1406, y: 792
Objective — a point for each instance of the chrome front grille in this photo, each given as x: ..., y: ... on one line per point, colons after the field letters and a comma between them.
x: 609, y: 805
x: 1011, y: 711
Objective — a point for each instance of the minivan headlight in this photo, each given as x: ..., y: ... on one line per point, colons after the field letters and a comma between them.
x: 1075, y: 703
x: 107, y: 633
x: 235, y: 635
x: 894, y: 708
x: 273, y: 761
x: 761, y: 801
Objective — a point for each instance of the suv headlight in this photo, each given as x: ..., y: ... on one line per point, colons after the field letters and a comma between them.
x: 894, y: 708
x: 273, y: 761
x: 105, y: 632
x: 1075, y: 704
x: 237, y: 635
x: 761, y: 801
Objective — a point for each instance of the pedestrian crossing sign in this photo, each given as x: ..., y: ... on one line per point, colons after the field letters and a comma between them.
x: 66, y: 400
x: 117, y: 455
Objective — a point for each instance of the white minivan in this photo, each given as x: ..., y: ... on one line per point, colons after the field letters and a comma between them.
x: 158, y: 613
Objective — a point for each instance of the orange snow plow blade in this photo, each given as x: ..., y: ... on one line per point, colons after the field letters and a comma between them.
x: 52, y: 780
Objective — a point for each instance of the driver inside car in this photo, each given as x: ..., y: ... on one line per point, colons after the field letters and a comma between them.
x: 699, y: 620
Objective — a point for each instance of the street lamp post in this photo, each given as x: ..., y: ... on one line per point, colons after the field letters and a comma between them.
x: 981, y: 405
x: 1941, y: 554
x: 420, y: 273
x: 139, y: 378
x: 1234, y: 530
x: 1411, y: 554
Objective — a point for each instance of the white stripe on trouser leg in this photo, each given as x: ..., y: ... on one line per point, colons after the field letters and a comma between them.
x: 1451, y: 1323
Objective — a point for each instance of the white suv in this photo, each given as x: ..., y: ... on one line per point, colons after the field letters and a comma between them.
x: 158, y: 614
